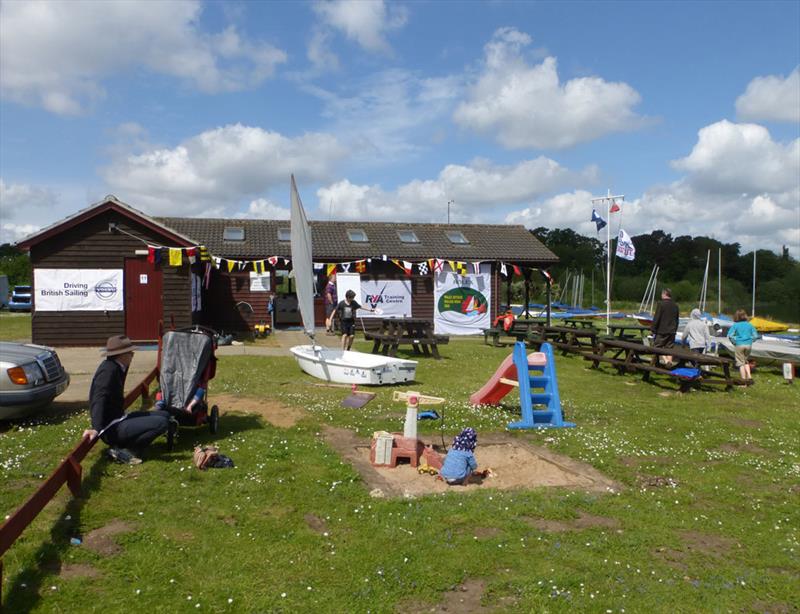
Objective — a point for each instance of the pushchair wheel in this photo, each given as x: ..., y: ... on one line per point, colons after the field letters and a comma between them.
x: 213, y: 420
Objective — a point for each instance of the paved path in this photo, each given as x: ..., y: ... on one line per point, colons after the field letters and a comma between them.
x: 81, y: 362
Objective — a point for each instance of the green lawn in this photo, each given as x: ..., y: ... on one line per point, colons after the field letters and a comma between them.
x: 15, y: 326
x: 707, y: 519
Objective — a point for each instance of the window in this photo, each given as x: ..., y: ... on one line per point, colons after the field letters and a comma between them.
x: 455, y: 236
x: 407, y: 236
x: 284, y: 234
x: 233, y: 233
x: 356, y: 235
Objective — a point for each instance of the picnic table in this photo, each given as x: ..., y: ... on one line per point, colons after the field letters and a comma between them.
x: 628, y: 357
x: 416, y: 332
x: 578, y: 323
x: 576, y: 339
x: 629, y: 332
x: 519, y: 330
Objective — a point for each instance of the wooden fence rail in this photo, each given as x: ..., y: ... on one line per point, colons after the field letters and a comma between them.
x: 68, y: 472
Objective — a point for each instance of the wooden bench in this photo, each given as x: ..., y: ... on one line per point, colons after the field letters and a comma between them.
x: 630, y: 357
x: 519, y: 331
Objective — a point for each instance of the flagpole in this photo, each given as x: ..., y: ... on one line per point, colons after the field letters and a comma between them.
x: 608, y: 199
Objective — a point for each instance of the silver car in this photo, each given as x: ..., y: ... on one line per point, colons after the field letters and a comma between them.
x: 31, y: 376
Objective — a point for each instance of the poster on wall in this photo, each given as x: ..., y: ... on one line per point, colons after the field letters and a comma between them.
x: 78, y: 289
x: 259, y: 282
x: 348, y: 281
x: 462, y: 302
x: 391, y: 298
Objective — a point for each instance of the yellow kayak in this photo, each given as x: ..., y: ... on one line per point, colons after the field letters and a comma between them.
x: 763, y: 325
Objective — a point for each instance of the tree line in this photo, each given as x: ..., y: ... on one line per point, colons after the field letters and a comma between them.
x: 682, y: 262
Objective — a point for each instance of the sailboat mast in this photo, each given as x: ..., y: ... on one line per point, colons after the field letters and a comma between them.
x: 753, y: 310
x: 719, y: 281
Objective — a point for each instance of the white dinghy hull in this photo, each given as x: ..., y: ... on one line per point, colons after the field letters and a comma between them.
x: 343, y: 367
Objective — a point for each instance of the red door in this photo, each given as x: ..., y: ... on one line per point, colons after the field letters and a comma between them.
x: 143, y: 301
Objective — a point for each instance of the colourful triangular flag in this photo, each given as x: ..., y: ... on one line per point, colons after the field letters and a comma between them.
x: 191, y: 254
x: 331, y: 269
x: 599, y: 221
x: 614, y: 207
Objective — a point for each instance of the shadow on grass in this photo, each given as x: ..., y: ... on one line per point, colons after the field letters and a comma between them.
x: 24, y: 591
x: 56, y: 413
x: 189, y: 437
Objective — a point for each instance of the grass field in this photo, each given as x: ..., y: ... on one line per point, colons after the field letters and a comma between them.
x: 707, y: 518
x: 15, y: 326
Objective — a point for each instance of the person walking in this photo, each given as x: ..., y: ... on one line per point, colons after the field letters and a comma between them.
x: 330, y: 303
x: 126, y: 434
x: 665, y: 325
x: 346, y: 311
x: 742, y: 334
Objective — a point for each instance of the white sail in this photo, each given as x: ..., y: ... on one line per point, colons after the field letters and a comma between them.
x: 302, y: 264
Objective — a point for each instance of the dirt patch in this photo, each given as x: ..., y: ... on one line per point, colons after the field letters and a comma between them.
x: 706, y: 543
x: 515, y: 464
x: 583, y: 521
x: 656, y: 481
x: 78, y: 570
x: 742, y: 447
x: 694, y: 542
x: 101, y: 541
x: 750, y: 424
x: 315, y: 523
x: 774, y: 607
x: 273, y: 412
x: 465, y: 599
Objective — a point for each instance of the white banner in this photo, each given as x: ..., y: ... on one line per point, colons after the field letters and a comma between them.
x: 391, y: 298
x: 78, y: 290
x: 625, y: 248
x: 259, y: 282
x: 462, y: 302
x: 348, y: 281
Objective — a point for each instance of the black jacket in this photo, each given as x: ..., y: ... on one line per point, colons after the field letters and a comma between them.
x: 665, y: 322
x: 107, y: 394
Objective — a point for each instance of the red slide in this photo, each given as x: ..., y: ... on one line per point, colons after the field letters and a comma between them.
x: 494, y: 391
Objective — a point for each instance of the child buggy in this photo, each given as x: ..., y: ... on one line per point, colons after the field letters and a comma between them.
x: 186, y: 364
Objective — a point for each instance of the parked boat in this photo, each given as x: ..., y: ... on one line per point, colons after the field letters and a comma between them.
x: 353, y: 367
x: 343, y: 367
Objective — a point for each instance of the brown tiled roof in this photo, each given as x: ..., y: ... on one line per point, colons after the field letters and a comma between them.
x: 330, y: 240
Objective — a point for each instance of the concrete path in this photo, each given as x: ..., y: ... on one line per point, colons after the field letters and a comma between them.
x: 81, y: 362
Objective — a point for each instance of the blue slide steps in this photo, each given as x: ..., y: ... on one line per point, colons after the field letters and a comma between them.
x: 542, y: 408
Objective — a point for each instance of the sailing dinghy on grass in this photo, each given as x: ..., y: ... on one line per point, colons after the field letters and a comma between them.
x: 339, y: 366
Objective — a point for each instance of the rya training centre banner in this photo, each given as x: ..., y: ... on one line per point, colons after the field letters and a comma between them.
x: 461, y: 302
x: 389, y: 298
x: 78, y: 290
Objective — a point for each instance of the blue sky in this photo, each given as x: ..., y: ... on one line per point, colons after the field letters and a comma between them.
x: 519, y: 112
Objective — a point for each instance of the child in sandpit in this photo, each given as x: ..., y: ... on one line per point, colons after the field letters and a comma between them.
x: 460, y: 465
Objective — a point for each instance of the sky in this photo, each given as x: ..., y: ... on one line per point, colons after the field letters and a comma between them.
x: 501, y: 112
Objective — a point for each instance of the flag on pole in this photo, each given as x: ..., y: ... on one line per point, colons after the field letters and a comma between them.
x: 517, y: 270
x: 625, y: 248
x: 614, y: 207
x: 547, y: 276
x: 599, y: 221
x: 503, y: 269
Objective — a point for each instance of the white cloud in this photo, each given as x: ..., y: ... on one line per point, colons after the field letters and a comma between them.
x: 319, y: 53
x: 389, y: 114
x: 527, y: 106
x: 771, y: 98
x: 218, y: 168
x: 734, y: 158
x: 476, y: 190
x: 56, y: 54
x: 21, y: 204
x: 364, y: 21
x: 264, y: 209
x: 740, y: 187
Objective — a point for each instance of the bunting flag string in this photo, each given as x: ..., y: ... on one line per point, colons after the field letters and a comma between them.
x: 158, y: 254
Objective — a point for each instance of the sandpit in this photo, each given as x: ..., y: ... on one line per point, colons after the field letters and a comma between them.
x: 515, y: 464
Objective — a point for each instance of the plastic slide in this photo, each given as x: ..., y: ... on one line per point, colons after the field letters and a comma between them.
x: 494, y: 390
